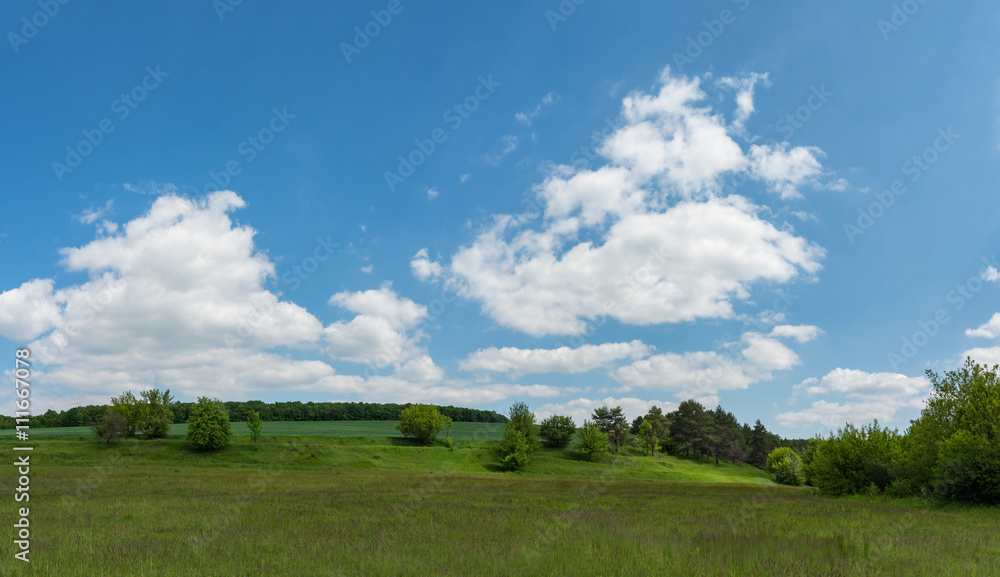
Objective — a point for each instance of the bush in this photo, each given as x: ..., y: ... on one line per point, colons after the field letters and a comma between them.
x: 422, y: 422
x: 786, y: 466
x: 851, y: 460
x: 591, y: 440
x: 511, y: 451
x: 968, y: 470
x: 557, y: 431
x: 111, y: 427
x: 208, y: 425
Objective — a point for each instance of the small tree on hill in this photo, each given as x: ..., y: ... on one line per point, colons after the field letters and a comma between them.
x: 613, y: 423
x: 255, y: 424
x: 522, y: 419
x: 112, y: 426
x: 131, y: 410
x: 511, y: 451
x: 422, y: 422
x: 591, y: 440
x: 208, y: 425
x: 557, y: 431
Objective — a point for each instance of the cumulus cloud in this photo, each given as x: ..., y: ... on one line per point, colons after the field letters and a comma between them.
x: 423, y: 267
x: 701, y: 375
x: 801, y: 333
x: 645, y: 239
x: 518, y: 362
x: 382, y: 333
x: 989, y: 330
x: 864, y: 397
x: 744, y: 87
x: 786, y: 170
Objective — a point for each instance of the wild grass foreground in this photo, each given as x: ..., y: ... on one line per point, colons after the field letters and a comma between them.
x: 380, y: 506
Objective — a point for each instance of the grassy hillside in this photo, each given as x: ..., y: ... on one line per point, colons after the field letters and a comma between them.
x: 341, y: 506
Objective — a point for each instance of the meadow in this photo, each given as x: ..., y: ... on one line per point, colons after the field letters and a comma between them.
x: 378, y: 505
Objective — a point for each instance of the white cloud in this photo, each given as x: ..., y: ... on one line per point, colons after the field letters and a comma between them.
x: 991, y: 274
x: 383, y: 331
x: 786, y: 171
x: 367, y: 269
x: 30, y: 310
x: 92, y: 215
x: 582, y: 409
x: 464, y: 178
x: 518, y: 362
x: 801, y: 333
x: 509, y: 145
x: 423, y: 267
x: 866, y: 396
x: 744, y: 87
x: 432, y: 192
x: 989, y: 330
x: 616, y: 241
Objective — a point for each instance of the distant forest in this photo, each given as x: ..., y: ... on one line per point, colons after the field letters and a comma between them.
x: 284, y: 411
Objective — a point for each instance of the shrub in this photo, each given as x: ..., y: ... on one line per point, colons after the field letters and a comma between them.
x: 422, y: 422
x: 786, y: 466
x: 849, y: 461
x: 511, y: 451
x: 557, y: 431
x: 208, y: 425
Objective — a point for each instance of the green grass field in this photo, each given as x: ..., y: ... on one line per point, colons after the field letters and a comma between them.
x: 481, y: 431
x: 346, y: 506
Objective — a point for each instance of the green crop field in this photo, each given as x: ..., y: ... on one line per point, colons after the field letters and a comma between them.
x: 346, y: 506
x: 481, y: 431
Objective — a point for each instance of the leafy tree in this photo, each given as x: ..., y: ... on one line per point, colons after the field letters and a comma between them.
x: 591, y: 440
x: 255, y: 424
x: 653, y: 430
x: 155, y: 413
x: 511, y: 451
x: 422, y: 422
x: 111, y: 427
x: 852, y: 460
x: 520, y: 418
x: 557, y: 431
x: 613, y: 423
x: 208, y: 426
x: 786, y: 466
x: 951, y: 449
x: 131, y: 410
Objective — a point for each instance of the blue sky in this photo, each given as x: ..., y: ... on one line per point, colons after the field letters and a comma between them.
x: 567, y: 204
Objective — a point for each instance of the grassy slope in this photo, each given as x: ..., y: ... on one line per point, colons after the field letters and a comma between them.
x: 380, y: 506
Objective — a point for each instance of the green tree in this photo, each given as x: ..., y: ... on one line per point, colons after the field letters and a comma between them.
x: 511, y: 451
x: 131, y: 410
x: 110, y: 427
x: 612, y: 422
x: 653, y: 430
x: 690, y: 429
x: 422, y: 422
x: 727, y: 436
x: 852, y: 460
x: 590, y: 439
x: 760, y: 445
x: 951, y: 449
x: 786, y: 466
x: 557, y: 431
x: 208, y: 425
x: 520, y: 418
x: 255, y: 424
x: 156, y: 414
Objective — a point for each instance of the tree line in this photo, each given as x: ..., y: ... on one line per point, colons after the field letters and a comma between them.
x: 279, y: 411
